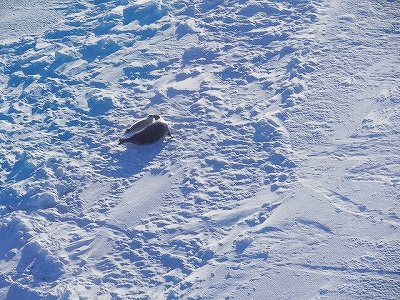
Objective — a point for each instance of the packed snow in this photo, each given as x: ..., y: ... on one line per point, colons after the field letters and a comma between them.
x: 281, y: 180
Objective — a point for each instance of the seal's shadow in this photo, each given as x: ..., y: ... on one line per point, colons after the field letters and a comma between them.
x: 131, y: 159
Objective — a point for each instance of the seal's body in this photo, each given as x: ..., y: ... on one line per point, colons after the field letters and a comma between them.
x: 139, y: 125
x: 154, y: 132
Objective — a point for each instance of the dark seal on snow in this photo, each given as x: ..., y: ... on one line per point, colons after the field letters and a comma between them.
x: 141, y: 124
x: 152, y: 133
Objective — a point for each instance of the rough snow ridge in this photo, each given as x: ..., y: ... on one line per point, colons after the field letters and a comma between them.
x: 249, y: 199
x: 62, y: 74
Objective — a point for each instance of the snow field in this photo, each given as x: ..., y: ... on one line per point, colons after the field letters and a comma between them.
x: 280, y: 181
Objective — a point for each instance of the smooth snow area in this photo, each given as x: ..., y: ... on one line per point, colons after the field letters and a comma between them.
x: 19, y: 18
x: 281, y: 181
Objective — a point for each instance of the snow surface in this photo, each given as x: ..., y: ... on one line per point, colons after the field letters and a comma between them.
x: 281, y: 181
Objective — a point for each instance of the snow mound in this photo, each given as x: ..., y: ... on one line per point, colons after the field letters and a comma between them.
x: 144, y: 13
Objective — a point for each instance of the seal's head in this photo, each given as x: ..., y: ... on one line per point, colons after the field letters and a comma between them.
x: 154, y: 117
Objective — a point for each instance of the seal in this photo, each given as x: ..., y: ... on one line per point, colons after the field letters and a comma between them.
x: 141, y: 124
x: 152, y: 133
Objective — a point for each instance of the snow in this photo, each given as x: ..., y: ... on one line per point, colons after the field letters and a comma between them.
x: 281, y: 181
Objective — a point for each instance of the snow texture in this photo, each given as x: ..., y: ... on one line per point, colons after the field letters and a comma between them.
x: 281, y: 181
